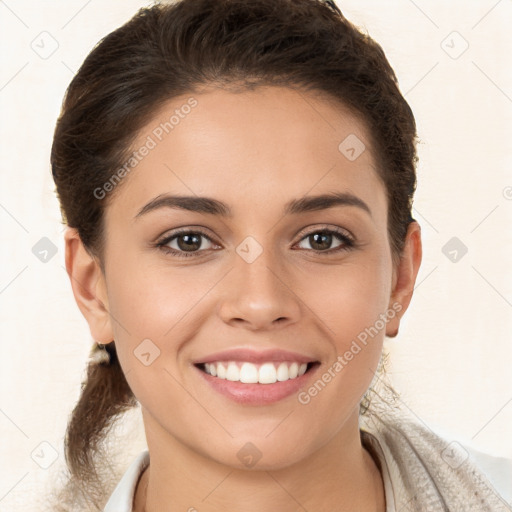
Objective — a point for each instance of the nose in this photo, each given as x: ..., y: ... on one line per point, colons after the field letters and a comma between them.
x: 259, y: 295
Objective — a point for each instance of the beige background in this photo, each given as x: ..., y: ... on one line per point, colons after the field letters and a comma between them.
x: 452, y: 358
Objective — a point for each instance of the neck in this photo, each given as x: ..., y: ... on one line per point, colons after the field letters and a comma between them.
x: 341, y: 476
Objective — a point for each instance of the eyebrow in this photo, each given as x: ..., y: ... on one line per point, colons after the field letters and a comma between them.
x: 215, y: 207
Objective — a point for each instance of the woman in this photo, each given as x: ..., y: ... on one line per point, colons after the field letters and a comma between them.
x: 237, y: 178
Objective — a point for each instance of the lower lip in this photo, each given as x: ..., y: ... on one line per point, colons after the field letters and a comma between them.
x: 257, y: 394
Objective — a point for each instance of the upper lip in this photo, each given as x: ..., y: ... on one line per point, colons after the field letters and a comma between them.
x: 255, y: 356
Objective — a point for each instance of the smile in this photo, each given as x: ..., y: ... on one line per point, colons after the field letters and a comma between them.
x: 256, y: 383
x: 250, y: 373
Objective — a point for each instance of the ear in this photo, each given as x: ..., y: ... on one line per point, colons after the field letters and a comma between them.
x: 404, y: 277
x: 88, y: 284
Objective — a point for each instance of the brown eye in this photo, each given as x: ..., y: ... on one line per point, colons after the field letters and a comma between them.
x: 189, y: 242
x: 322, y: 240
x: 185, y: 243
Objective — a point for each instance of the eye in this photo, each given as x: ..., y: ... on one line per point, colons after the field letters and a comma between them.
x: 321, y: 240
x: 185, y: 243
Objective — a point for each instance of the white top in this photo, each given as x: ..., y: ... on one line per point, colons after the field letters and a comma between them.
x: 121, y: 499
x: 421, y: 473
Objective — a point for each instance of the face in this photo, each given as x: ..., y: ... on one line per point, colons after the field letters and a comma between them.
x: 270, y: 271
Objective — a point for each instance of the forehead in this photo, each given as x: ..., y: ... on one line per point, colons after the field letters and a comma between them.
x: 251, y: 148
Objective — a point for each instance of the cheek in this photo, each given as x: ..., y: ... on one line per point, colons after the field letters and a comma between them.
x: 352, y: 303
x: 156, y: 310
x: 350, y: 297
x: 150, y: 300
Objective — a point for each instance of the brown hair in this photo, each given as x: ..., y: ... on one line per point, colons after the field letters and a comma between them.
x: 169, y: 50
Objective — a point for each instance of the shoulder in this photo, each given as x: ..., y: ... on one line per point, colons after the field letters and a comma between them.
x: 431, y: 469
x: 121, y: 500
x: 497, y: 469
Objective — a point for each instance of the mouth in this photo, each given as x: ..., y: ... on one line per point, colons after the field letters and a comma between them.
x: 265, y: 373
x: 252, y: 384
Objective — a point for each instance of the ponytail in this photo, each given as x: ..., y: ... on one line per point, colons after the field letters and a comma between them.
x: 105, y: 395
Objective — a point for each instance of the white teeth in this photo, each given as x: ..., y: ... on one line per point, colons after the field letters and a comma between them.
x: 233, y: 373
x: 249, y: 373
x: 221, y: 370
x: 282, y: 372
x: 268, y: 374
x: 294, y: 370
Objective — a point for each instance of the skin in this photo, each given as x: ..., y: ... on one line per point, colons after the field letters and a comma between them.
x: 255, y: 151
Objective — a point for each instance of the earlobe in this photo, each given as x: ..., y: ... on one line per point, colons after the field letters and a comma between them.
x: 405, y: 277
x: 88, y: 285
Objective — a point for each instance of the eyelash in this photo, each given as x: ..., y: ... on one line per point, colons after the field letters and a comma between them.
x: 347, y: 242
